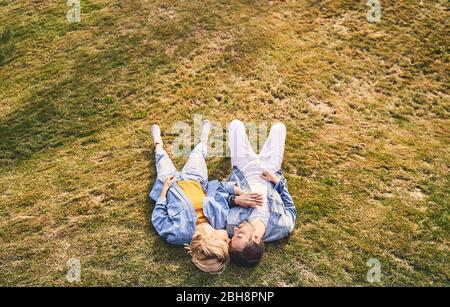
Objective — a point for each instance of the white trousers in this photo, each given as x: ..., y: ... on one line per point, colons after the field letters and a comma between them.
x: 251, y: 164
x: 242, y: 153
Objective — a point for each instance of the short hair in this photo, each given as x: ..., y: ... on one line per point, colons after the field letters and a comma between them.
x: 208, y: 254
x: 249, y: 257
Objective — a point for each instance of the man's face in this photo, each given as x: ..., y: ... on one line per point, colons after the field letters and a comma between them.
x: 243, y: 235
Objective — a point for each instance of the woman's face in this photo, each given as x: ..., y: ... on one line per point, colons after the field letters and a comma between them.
x: 220, y: 235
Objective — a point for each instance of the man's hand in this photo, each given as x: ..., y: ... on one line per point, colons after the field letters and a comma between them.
x: 269, y: 176
x: 249, y: 200
x: 166, y: 185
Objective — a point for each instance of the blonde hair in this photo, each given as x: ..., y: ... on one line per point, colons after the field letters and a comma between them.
x: 208, y: 254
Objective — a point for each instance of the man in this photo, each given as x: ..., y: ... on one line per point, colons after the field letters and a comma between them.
x: 251, y: 224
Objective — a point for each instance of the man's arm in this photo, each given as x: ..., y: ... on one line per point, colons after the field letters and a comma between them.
x: 280, y: 185
x: 286, y: 197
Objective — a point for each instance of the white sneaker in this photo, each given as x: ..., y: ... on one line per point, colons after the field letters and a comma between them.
x: 206, y: 129
x: 156, y: 135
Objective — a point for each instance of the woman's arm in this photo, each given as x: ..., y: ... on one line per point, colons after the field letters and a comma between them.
x: 235, y: 196
x: 166, y: 185
x: 161, y: 220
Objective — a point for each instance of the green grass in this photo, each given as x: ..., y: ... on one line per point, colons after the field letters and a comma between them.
x: 367, y: 156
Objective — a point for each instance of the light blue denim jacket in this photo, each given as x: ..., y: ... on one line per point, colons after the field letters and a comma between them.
x: 174, y: 217
x: 281, y: 205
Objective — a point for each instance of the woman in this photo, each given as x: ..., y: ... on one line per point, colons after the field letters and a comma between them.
x: 182, y: 213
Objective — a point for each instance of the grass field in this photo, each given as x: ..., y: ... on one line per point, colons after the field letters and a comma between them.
x: 366, y: 106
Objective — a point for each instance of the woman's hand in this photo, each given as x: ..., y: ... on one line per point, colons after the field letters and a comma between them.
x: 249, y: 200
x: 238, y: 191
x: 270, y: 176
x: 166, y: 185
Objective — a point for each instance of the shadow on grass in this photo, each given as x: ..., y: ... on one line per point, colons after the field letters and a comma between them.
x: 87, y: 101
x: 70, y: 109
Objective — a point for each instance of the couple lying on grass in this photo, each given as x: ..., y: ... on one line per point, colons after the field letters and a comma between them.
x: 252, y: 207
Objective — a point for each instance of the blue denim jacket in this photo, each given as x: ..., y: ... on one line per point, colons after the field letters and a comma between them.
x: 174, y: 217
x: 282, y: 209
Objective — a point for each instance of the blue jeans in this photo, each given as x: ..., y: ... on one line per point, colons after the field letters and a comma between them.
x: 195, y: 165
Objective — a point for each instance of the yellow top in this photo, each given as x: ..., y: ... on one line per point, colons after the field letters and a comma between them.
x: 195, y: 193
